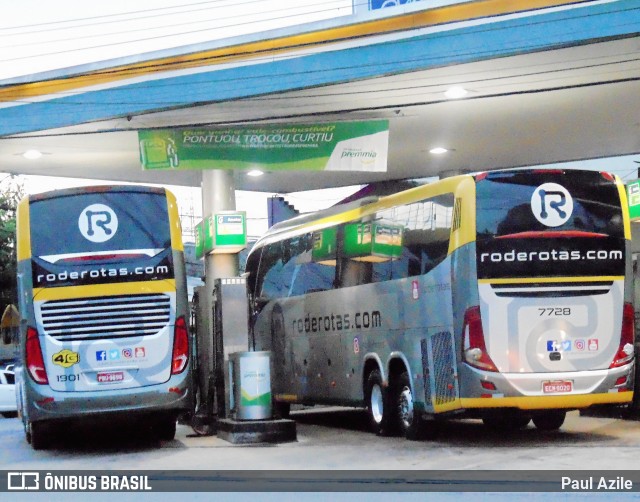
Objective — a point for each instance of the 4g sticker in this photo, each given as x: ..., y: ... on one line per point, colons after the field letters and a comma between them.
x: 66, y: 358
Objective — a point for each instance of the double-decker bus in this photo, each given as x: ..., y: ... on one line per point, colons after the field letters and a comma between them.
x: 103, y: 303
x: 504, y: 296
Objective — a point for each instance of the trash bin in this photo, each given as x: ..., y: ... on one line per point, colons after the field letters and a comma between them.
x: 250, y: 376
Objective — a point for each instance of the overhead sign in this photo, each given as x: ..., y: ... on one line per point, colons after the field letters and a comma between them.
x: 340, y: 146
x: 633, y: 196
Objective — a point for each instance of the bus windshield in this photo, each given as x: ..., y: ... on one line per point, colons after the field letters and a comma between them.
x: 100, y: 237
x: 546, y: 223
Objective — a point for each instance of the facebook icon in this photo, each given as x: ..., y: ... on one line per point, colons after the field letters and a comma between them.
x: 101, y: 355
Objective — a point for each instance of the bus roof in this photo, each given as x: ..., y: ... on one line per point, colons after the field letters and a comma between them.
x: 357, y: 209
x: 65, y: 192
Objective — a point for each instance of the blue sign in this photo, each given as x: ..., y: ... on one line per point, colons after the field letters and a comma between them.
x: 383, y: 4
x: 101, y: 355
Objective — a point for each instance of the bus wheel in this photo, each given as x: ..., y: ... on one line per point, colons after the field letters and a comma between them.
x: 408, y: 422
x: 281, y: 410
x: 375, y: 398
x: 550, y: 420
x: 506, y: 421
x: 39, y: 436
x: 165, y: 429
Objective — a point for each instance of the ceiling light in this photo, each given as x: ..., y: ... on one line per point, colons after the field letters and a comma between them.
x: 255, y: 173
x: 32, y: 154
x: 438, y: 150
x: 456, y: 93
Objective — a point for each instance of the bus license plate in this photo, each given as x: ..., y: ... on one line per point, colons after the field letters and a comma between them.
x: 556, y: 387
x: 116, y: 376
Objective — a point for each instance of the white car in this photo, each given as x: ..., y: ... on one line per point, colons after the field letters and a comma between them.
x: 8, y: 406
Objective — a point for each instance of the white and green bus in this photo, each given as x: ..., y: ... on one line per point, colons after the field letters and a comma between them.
x: 504, y: 295
x: 104, y: 311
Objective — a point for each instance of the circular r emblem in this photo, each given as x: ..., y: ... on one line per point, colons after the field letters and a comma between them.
x: 98, y: 223
x: 552, y: 204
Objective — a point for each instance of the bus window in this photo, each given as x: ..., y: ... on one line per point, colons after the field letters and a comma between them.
x: 427, y: 226
x: 269, y: 283
x: 309, y: 276
x: 504, y: 204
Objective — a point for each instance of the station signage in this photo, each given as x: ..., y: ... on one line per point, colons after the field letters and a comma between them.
x: 633, y: 197
x: 222, y: 233
x: 340, y: 146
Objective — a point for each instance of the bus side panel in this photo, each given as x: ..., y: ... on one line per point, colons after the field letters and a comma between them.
x: 320, y: 341
x: 465, y: 295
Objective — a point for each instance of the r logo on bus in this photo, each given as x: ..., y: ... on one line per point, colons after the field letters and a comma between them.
x: 552, y: 204
x: 98, y: 223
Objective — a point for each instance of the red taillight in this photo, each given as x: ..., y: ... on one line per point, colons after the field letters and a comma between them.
x: 608, y: 176
x: 35, y: 362
x: 474, y: 349
x: 180, y: 356
x: 625, y: 349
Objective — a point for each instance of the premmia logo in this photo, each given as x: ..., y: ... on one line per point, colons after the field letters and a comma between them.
x: 552, y: 204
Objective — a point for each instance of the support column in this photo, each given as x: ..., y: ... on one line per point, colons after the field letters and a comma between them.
x: 218, y: 194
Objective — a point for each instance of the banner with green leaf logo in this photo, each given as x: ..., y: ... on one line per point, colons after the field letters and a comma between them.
x: 340, y: 146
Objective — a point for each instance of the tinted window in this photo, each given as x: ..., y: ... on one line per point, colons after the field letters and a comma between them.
x: 506, y: 202
x: 425, y: 237
x: 99, y: 238
x: 288, y: 269
x: 549, y: 224
x: 270, y: 281
x: 62, y: 225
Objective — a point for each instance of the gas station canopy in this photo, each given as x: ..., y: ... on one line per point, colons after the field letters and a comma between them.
x: 546, y: 81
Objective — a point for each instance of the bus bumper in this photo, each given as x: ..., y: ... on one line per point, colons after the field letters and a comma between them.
x: 531, y: 391
x: 173, y: 397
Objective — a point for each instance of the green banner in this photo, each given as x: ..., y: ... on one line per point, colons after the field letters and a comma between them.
x: 340, y: 146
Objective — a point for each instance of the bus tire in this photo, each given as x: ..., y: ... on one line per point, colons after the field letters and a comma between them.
x: 549, y: 420
x: 39, y: 435
x: 407, y: 421
x: 281, y: 410
x: 506, y: 421
x: 377, y: 403
x: 165, y: 429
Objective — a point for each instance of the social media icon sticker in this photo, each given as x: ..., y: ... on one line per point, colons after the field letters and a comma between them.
x: 553, y: 346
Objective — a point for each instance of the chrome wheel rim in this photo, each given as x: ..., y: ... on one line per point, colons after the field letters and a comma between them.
x: 405, y: 407
x: 376, y: 404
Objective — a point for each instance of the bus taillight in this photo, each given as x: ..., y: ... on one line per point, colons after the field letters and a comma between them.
x: 180, y: 347
x: 625, y: 350
x: 474, y: 349
x: 35, y: 361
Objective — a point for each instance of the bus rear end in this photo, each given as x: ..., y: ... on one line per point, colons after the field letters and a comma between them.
x: 103, y: 297
x: 552, y: 329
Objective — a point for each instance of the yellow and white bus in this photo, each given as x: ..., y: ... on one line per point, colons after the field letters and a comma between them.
x: 103, y: 303
x: 504, y: 295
